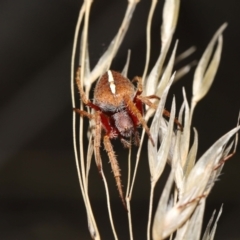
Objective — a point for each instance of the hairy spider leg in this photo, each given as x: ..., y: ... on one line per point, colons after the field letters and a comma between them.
x: 97, y: 142
x: 140, y: 89
x: 114, y: 165
x: 222, y: 161
x: 139, y: 85
x: 83, y: 113
x: 136, y: 121
x: 153, y: 97
x: 97, y: 137
x: 136, y: 113
x: 139, y: 106
x: 111, y: 132
x: 166, y: 113
x: 145, y: 100
x: 83, y: 96
x: 139, y: 100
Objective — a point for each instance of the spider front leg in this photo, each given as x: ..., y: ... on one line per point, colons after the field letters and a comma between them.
x: 166, y: 113
x: 140, y: 90
x: 83, y: 113
x: 114, y: 165
x: 139, y: 85
x: 145, y: 100
x: 134, y: 111
x: 84, y: 98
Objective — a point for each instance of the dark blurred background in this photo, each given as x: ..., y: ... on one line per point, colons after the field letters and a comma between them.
x: 39, y: 191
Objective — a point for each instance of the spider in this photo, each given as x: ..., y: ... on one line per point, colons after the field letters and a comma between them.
x: 118, y: 112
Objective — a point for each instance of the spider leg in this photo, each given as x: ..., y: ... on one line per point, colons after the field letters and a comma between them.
x: 97, y: 137
x: 83, y: 113
x: 146, y: 101
x: 222, y: 161
x: 134, y: 110
x: 84, y: 98
x: 139, y: 85
x: 140, y: 88
x: 114, y: 165
x: 136, y: 138
x: 153, y: 97
x: 125, y: 143
x: 166, y: 113
x: 97, y: 142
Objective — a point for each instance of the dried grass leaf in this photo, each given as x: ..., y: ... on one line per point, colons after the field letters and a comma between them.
x: 85, y: 65
x: 207, y: 230
x: 212, y: 234
x: 209, y: 234
x: 167, y: 73
x: 85, y: 9
x: 201, y: 172
x: 170, y: 16
x: 205, y: 72
x: 152, y: 150
x: 176, y: 163
x: 152, y: 79
x: 191, y: 158
x: 195, y: 185
x: 162, y: 133
x: 159, y: 162
x: 158, y: 224
x: 228, y: 149
x: 125, y: 69
x: 106, y: 59
x: 184, y: 70
x: 185, y: 54
x: 185, y: 137
x: 75, y: 41
x: 179, y: 214
x: 89, y: 159
x: 180, y: 115
x: 148, y: 38
x: 163, y: 151
x: 178, y: 170
x: 92, y: 229
x: 194, y: 225
x: 84, y: 59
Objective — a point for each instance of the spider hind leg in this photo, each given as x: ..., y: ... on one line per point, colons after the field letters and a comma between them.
x: 115, y: 166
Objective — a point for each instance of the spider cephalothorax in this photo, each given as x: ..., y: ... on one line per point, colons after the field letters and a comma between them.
x: 118, y: 112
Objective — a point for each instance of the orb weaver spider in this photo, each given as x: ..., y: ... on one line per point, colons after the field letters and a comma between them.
x: 118, y: 112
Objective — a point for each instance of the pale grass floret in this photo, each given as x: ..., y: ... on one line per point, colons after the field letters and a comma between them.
x: 181, y: 206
